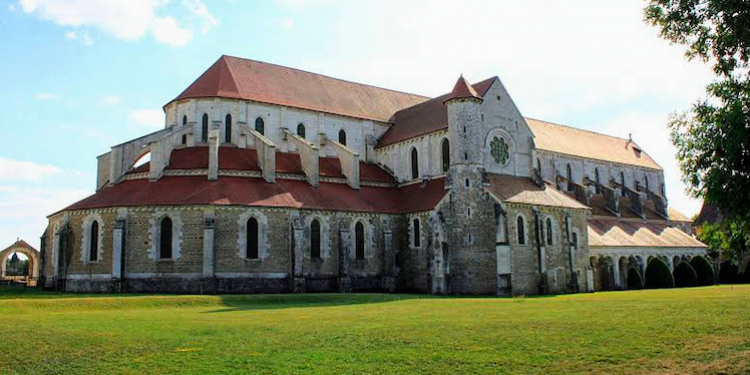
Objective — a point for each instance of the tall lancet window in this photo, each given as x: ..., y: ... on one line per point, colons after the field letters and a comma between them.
x: 342, y: 137
x: 165, y: 240
x: 301, y: 130
x: 446, y: 151
x: 228, y: 129
x: 569, y: 176
x: 622, y: 182
x: 204, y: 128
x: 253, y: 238
x: 521, y: 231
x: 359, y: 233
x: 184, y: 120
x: 315, y: 239
x: 414, y: 164
x: 260, y: 126
x: 94, y: 242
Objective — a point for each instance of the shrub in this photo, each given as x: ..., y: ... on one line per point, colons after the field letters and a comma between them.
x: 728, y: 273
x: 658, y: 275
x: 685, y: 276
x: 635, y: 281
x: 746, y: 278
x: 704, y: 269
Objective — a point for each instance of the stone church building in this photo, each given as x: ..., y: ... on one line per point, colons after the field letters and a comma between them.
x: 268, y: 179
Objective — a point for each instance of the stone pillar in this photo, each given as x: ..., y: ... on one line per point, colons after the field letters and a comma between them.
x: 208, y: 245
x: 56, y: 255
x: 389, y: 279
x: 616, y: 272
x: 299, y: 257
x: 345, y: 240
x: 118, y: 240
x: 213, y: 155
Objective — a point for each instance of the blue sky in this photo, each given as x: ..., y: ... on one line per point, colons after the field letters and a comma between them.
x: 79, y: 76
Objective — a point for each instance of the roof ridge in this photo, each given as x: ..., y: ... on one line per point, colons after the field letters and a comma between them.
x: 326, y: 76
x: 580, y: 129
x: 231, y: 72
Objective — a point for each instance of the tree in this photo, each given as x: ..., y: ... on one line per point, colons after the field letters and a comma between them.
x: 658, y: 275
x: 685, y: 276
x: 704, y: 269
x: 635, y: 281
x: 713, y: 139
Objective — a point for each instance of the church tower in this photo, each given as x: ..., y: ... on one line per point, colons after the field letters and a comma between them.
x: 469, y: 225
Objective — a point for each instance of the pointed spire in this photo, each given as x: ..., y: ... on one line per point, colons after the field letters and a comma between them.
x: 462, y: 90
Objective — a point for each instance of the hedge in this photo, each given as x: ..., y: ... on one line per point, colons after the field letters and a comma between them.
x: 685, y: 276
x: 728, y: 273
x: 635, y: 281
x: 704, y: 269
x: 658, y: 275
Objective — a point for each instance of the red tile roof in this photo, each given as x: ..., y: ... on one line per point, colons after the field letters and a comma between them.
x: 233, y: 77
x: 619, y: 233
x: 424, y: 118
x: 462, y: 90
x: 584, y: 143
x: 243, y: 191
x: 524, y: 191
x: 231, y: 158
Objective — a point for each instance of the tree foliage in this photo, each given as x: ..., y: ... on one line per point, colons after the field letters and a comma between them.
x: 713, y: 139
x: 704, y: 269
x: 658, y: 275
x: 730, y: 238
x: 728, y: 273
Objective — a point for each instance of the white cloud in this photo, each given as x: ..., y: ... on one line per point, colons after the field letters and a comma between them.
x: 25, y: 210
x: 166, y: 31
x: 198, y: 9
x: 112, y: 100
x: 17, y: 170
x: 125, y: 20
x: 148, y: 118
x: 83, y: 36
x: 287, y: 23
x: 47, y: 96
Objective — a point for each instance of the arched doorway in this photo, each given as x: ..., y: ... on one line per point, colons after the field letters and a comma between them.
x: 30, y: 253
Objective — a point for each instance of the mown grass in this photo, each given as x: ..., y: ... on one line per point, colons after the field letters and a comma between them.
x: 700, y: 330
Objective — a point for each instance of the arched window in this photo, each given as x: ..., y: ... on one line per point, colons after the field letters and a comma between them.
x: 204, y: 128
x: 301, y: 130
x: 575, y: 241
x: 184, y: 120
x: 646, y: 180
x: 569, y: 176
x: 342, y: 137
x: 260, y: 126
x: 539, y: 166
x: 165, y: 240
x: 228, y: 129
x: 417, y: 236
x: 622, y: 182
x: 414, y: 164
x: 446, y: 149
x: 315, y: 239
x: 94, y: 242
x: 596, y: 175
x: 663, y: 190
x: 252, y: 238
x: 359, y: 232
x: 521, y: 231
x: 549, y: 231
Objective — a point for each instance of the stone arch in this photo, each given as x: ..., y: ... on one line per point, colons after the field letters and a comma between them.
x: 623, y: 266
x: 21, y: 247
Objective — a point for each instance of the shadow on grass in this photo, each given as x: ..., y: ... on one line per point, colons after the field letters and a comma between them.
x: 236, y: 303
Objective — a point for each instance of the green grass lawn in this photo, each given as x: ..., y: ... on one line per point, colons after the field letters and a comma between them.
x: 701, y: 330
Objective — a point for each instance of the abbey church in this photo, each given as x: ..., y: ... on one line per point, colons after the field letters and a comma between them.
x: 268, y: 179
